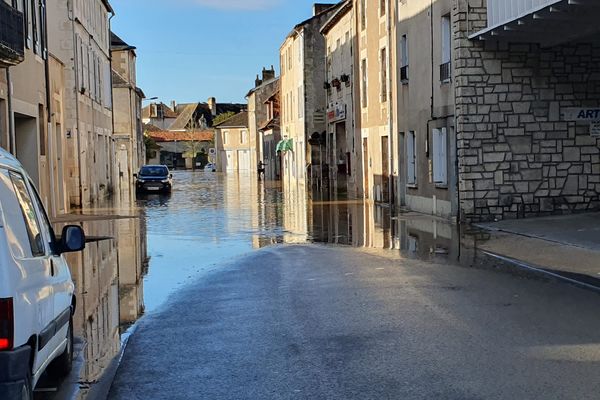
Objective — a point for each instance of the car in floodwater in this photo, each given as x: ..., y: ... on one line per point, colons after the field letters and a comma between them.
x: 37, y: 300
x: 153, y: 179
x: 210, y: 167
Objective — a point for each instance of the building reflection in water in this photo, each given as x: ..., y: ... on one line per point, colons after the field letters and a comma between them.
x: 108, y: 276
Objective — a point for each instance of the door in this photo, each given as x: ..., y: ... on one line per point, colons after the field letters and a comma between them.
x: 244, y: 160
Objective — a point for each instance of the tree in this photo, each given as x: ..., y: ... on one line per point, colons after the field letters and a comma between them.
x: 151, y: 147
x: 222, y: 117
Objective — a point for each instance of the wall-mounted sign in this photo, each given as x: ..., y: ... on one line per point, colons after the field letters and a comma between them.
x: 581, y: 114
x: 336, y: 113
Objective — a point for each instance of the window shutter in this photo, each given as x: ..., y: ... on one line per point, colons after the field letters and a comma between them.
x: 444, y: 155
x: 410, y: 157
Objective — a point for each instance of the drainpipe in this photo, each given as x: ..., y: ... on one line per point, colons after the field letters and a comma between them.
x: 390, y: 106
x: 71, y: 17
x: 49, y: 134
x: 12, y: 148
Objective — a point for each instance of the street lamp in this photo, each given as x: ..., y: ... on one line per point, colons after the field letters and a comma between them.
x: 150, y: 99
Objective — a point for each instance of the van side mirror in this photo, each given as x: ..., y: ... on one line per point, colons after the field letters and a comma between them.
x: 72, y: 239
x: 171, y: 176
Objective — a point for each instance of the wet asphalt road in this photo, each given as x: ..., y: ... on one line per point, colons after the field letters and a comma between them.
x: 316, y: 322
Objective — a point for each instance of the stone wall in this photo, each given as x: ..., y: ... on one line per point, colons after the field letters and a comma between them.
x: 517, y: 158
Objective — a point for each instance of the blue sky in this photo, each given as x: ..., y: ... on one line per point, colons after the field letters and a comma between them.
x: 189, y: 50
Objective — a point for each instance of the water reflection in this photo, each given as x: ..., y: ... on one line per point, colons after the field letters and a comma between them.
x: 159, y: 243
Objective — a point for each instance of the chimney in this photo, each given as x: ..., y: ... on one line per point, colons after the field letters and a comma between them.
x: 268, y: 74
x: 320, y: 7
x: 212, y: 104
x: 173, y: 105
x: 257, y: 82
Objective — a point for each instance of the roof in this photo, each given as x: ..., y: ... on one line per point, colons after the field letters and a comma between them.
x: 311, y: 19
x: 168, y: 113
x: 184, y: 118
x: 108, y: 6
x: 265, y: 83
x: 118, y: 80
x: 116, y: 43
x: 239, y: 120
x: 150, y: 128
x: 183, y: 136
x: 271, y: 124
x: 344, y: 9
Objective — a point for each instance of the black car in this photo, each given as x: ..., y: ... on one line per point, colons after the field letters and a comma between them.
x: 154, y: 179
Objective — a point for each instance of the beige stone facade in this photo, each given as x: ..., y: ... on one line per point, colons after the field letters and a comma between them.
x: 372, y: 99
x: 233, y: 145
x: 342, y: 149
x: 303, y: 105
x: 79, y: 33
x: 128, y: 134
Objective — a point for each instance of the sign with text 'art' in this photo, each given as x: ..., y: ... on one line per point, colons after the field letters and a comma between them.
x: 581, y: 114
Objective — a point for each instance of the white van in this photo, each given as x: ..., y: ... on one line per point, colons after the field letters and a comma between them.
x: 37, y: 299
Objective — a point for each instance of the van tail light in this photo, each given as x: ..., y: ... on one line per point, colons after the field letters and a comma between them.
x: 7, y: 324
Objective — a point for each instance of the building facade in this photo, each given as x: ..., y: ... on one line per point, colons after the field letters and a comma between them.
x: 80, y: 36
x: 372, y: 99
x: 233, y: 145
x: 258, y: 116
x: 128, y: 134
x: 341, y: 149
x: 303, y: 105
x: 423, y: 107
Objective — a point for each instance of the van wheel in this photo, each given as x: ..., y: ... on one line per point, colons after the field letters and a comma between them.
x: 27, y: 390
x: 63, y: 364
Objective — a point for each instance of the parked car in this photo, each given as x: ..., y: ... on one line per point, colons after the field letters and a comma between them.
x: 37, y: 299
x: 210, y: 167
x: 153, y: 178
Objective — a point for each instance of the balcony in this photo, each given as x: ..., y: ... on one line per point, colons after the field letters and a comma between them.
x: 12, y: 40
x: 546, y: 22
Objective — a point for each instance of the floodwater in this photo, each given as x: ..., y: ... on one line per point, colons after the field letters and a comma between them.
x: 145, y: 250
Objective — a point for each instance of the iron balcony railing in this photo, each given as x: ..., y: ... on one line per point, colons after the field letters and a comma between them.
x: 12, y: 39
x: 446, y: 72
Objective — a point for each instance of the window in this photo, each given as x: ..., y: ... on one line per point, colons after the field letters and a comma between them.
x: 32, y: 226
x: 363, y: 14
x: 404, y: 59
x: 383, y: 60
x: 411, y: 158
x: 440, y: 156
x: 381, y: 8
x: 244, y: 137
x: 364, y: 95
x: 445, y: 67
x: 225, y: 137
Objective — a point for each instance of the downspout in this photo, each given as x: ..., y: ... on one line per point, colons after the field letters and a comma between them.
x: 11, y: 118
x: 71, y: 17
x: 390, y: 107
x: 49, y: 134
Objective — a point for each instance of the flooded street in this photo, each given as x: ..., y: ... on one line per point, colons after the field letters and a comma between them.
x: 143, y: 258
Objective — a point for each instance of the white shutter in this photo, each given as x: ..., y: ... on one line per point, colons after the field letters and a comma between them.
x: 440, y: 159
x: 411, y: 159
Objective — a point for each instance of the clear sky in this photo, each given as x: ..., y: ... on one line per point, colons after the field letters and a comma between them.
x: 189, y: 50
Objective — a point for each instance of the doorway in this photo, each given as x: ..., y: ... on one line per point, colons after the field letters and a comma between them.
x: 385, y: 169
x: 27, y: 147
x: 366, y: 171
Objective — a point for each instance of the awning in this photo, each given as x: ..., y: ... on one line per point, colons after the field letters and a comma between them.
x: 285, y: 145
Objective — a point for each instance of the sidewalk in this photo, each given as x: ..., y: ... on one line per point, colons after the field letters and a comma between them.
x: 567, y: 246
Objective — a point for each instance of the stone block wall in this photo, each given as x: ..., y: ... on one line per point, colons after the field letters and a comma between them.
x: 517, y: 157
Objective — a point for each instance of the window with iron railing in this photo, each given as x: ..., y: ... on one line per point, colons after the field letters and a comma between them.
x: 446, y: 65
x: 12, y: 41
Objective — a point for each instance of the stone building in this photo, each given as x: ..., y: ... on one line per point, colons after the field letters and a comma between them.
x: 423, y: 107
x: 159, y: 115
x: 270, y: 138
x: 31, y: 114
x: 233, y: 145
x: 340, y: 150
x: 303, y: 105
x: 372, y: 98
x: 79, y: 35
x: 258, y: 116
x: 527, y: 82
x: 128, y: 134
